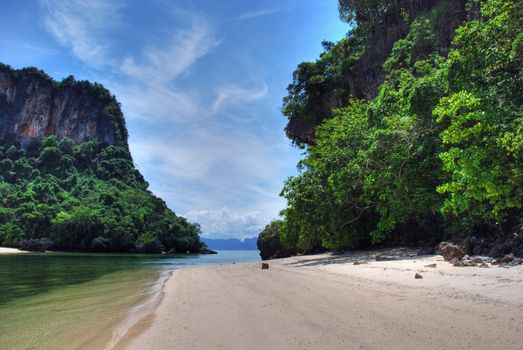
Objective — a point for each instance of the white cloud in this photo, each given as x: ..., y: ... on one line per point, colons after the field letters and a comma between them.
x: 164, y: 63
x: 159, y: 103
x: 224, y: 223
x: 258, y: 13
x: 153, y: 94
x: 80, y: 25
x: 197, y: 152
x: 233, y: 94
x: 145, y: 83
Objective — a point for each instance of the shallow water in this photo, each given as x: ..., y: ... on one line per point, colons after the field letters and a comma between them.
x: 74, y: 301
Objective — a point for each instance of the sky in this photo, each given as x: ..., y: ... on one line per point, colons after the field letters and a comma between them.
x: 200, y: 83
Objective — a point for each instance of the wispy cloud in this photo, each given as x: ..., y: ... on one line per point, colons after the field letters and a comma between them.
x: 153, y: 93
x: 233, y: 94
x: 258, y: 13
x: 186, y: 138
x: 144, y: 81
x: 80, y: 25
x: 164, y: 64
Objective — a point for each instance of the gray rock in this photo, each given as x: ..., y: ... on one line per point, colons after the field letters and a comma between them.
x: 34, y: 106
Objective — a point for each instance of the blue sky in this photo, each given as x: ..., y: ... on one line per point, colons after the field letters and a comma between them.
x: 200, y: 83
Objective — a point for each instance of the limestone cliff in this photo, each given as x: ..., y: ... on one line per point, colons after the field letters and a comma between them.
x: 32, y: 106
x: 353, y: 68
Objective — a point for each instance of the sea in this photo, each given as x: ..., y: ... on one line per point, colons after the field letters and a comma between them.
x: 85, y: 301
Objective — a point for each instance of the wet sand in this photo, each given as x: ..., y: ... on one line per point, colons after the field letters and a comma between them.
x: 327, y: 302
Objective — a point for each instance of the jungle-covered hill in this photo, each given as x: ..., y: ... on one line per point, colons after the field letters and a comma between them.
x: 66, y: 172
x: 412, y: 127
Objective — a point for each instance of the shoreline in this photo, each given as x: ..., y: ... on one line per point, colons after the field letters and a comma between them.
x: 138, y: 314
x: 330, y: 302
x: 6, y: 250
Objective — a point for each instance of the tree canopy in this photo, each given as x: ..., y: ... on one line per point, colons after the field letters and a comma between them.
x: 437, y: 152
x: 84, y: 197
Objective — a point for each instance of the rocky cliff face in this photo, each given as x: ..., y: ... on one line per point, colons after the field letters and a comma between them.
x: 316, y: 90
x: 32, y: 106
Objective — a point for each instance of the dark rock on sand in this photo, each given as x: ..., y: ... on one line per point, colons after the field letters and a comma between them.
x: 477, y: 260
x: 503, y: 260
x: 360, y: 262
x: 264, y: 266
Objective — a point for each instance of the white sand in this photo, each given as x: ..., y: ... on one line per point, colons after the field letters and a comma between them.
x: 4, y: 250
x: 326, y: 302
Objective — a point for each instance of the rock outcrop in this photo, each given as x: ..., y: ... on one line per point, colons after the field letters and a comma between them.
x: 270, y: 245
x: 362, y: 76
x: 205, y: 250
x: 33, y: 106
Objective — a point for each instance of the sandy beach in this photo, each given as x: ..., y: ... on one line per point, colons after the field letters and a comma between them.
x: 327, y: 302
x: 4, y: 250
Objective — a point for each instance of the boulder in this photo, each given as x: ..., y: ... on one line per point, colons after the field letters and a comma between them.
x: 418, y: 276
x: 264, y: 266
x: 451, y: 251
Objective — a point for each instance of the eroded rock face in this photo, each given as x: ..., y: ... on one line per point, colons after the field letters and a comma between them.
x: 366, y: 75
x: 33, y: 106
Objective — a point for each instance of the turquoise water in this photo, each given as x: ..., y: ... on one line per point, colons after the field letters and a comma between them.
x: 65, y: 301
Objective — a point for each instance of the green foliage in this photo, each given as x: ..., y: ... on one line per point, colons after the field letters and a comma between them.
x: 482, y: 118
x: 85, y: 197
x: 437, y: 151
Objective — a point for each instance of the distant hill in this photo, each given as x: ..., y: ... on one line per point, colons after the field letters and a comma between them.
x: 231, y: 243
